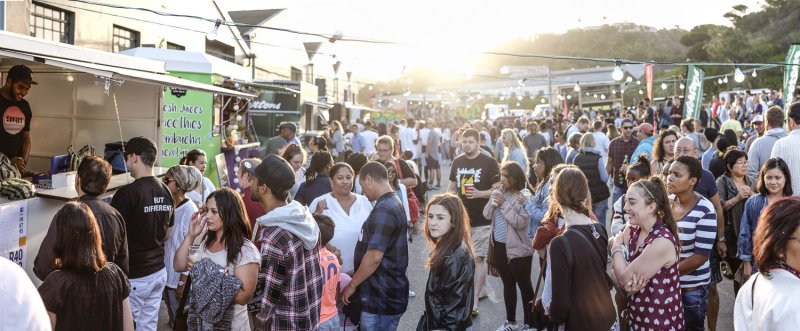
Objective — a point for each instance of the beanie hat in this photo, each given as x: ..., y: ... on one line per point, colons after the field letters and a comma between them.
x: 187, y: 178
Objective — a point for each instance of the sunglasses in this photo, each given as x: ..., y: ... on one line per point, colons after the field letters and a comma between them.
x: 167, y: 180
x: 627, y: 128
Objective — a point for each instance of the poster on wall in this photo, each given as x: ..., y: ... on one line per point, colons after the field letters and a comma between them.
x: 14, y: 231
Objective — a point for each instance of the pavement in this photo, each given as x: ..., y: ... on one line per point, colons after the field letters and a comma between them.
x: 492, y: 309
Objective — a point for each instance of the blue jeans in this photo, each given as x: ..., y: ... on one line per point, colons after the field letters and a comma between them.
x: 374, y: 322
x: 600, y: 209
x: 332, y: 324
x: 616, y: 193
x: 694, y: 308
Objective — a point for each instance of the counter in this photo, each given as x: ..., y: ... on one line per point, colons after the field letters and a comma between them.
x: 42, y: 208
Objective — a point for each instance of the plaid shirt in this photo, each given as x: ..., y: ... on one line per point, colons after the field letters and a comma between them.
x: 292, y: 282
x: 617, y: 151
x: 385, y: 292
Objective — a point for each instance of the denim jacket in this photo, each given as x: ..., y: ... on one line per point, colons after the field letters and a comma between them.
x: 537, y: 207
x: 752, y: 209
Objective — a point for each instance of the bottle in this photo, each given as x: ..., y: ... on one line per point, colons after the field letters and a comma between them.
x: 621, y: 173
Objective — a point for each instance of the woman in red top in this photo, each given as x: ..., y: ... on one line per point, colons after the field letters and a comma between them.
x: 645, y: 259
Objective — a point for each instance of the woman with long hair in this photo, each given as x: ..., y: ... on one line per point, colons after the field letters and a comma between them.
x: 337, y: 139
x: 398, y: 187
x: 581, y: 288
x: 514, y: 151
x: 512, y: 251
x: 591, y: 164
x: 774, y: 183
x: 544, y: 160
x: 734, y: 187
x: 226, y: 245
x: 769, y: 300
x: 645, y: 256
x: 449, y: 291
x: 318, y: 143
x: 663, y: 151
x: 179, y: 179
x: 613, y: 132
x: 317, y: 180
x: 697, y: 224
x: 85, y: 292
x: 197, y: 159
x: 574, y: 146
x: 347, y: 209
x: 296, y: 156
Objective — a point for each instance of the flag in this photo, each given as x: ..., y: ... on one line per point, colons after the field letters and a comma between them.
x: 648, y: 77
x: 791, y: 73
x: 693, y: 94
x: 311, y: 49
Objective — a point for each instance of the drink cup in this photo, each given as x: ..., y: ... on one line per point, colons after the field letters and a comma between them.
x: 468, y: 188
x: 194, y: 253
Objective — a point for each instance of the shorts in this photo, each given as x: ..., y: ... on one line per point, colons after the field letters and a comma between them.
x: 432, y: 162
x: 480, y: 239
x: 713, y: 263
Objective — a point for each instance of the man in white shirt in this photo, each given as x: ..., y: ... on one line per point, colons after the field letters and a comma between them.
x: 786, y: 148
x: 370, y: 136
x: 601, y: 140
x: 23, y: 308
x: 408, y: 136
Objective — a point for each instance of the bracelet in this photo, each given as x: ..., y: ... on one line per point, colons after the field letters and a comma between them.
x: 616, y: 250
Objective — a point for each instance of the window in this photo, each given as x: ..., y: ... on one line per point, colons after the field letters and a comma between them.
x: 297, y: 74
x: 124, y: 39
x: 221, y: 50
x: 52, y: 23
x: 175, y: 46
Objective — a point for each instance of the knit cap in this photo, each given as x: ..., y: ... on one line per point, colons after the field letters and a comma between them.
x: 187, y: 178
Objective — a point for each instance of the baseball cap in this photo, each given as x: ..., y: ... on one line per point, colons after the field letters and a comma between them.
x: 21, y: 73
x: 275, y: 172
x: 758, y: 119
x: 139, y: 145
x: 645, y: 128
x: 288, y: 125
x: 711, y: 134
x: 250, y: 165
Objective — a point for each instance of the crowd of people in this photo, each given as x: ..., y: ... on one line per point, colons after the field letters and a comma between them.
x: 635, y: 217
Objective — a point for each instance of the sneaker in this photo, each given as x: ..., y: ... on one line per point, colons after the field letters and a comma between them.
x: 475, y: 311
x: 526, y: 327
x: 411, y: 294
x: 507, y: 327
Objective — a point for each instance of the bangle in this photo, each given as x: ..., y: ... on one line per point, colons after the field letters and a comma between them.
x: 616, y: 250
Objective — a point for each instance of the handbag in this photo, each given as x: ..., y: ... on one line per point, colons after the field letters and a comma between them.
x: 413, y: 202
x: 182, y: 314
x: 539, y: 319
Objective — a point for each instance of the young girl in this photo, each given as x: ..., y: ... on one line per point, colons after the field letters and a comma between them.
x: 197, y: 159
x: 179, y: 179
x: 85, y: 292
x: 449, y: 291
x: 317, y: 180
x: 398, y: 187
x: 225, y: 244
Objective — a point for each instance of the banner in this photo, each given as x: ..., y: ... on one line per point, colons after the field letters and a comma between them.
x: 693, y: 97
x: 14, y: 231
x: 648, y: 77
x: 791, y: 73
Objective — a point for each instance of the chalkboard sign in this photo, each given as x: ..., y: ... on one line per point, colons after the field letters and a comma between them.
x: 222, y: 170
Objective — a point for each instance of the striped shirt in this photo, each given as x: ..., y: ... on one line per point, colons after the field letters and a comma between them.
x: 500, y: 224
x: 697, y: 231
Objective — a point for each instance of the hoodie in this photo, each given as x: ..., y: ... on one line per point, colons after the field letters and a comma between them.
x: 761, y: 149
x: 296, y: 219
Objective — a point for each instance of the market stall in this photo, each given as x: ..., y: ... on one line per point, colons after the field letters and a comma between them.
x: 84, y: 98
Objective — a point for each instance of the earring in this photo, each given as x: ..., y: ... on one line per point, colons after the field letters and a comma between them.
x: 660, y: 214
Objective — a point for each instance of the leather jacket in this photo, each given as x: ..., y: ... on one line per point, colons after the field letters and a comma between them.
x: 449, y: 294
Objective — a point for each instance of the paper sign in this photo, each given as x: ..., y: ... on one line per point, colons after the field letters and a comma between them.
x: 14, y: 231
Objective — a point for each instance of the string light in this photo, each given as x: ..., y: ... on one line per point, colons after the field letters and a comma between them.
x: 617, y: 74
x: 577, y: 87
x: 212, y: 35
x: 738, y: 76
x: 663, y: 86
x: 754, y: 74
x: 725, y: 80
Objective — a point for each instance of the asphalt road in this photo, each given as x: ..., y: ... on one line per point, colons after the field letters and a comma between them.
x: 492, y: 309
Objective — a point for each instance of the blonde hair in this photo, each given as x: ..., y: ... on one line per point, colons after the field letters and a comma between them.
x: 570, y: 190
x: 514, y: 143
x: 587, y: 141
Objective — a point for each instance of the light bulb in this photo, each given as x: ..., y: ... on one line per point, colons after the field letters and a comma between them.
x: 543, y: 100
x: 638, y: 82
x: 629, y: 79
x: 587, y: 94
x: 236, y: 85
x: 738, y: 76
x: 569, y: 97
x: 755, y: 74
x: 577, y: 87
x: 663, y: 86
x: 725, y: 80
x: 602, y: 97
x: 617, y: 74
x: 480, y: 96
x: 560, y: 97
x: 595, y: 95
x: 517, y: 104
x: 683, y: 86
x: 519, y: 98
x: 641, y: 92
x: 235, y: 107
x: 370, y: 87
x: 239, y: 118
x: 212, y: 35
x: 719, y: 81
x: 502, y: 98
x: 613, y: 91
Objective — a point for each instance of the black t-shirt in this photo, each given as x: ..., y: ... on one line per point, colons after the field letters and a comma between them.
x: 482, y: 171
x: 16, y: 117
x: 86, y: 301
x: 146, y: 206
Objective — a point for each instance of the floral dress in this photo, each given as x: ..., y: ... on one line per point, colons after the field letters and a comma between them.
x: 658, y: 306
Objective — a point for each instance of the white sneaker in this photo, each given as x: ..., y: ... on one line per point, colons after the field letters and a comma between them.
x: 526, y: 327
x: 507, y: 327
x: 411, y: 294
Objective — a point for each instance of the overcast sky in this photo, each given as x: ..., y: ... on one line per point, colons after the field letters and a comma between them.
x: 449, y: 34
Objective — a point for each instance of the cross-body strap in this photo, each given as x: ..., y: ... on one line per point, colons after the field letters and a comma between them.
x: 585, y: 238
x: 541, y: 275
x: 753, y: 290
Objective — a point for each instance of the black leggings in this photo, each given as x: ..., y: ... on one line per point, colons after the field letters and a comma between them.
x: 514, y: 273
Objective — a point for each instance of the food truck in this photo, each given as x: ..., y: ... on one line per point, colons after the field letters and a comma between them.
x: 84, y: 97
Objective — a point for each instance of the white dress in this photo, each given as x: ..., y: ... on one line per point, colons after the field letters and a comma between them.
x: 249, y: 254
x: 183, y: 214
x: 348, y: 226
